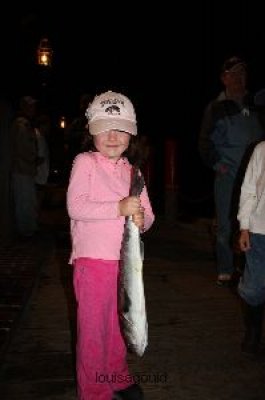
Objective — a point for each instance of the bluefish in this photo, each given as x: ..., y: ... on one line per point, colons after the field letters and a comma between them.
x: 132, y: 298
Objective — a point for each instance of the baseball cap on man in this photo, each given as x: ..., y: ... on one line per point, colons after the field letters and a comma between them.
x: 232, y: 63
x: 111, y: 110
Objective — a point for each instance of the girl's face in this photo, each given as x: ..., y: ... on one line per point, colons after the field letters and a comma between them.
x: 112, y: 144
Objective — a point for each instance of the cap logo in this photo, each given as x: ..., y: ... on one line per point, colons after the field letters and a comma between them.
x: 113, y: 110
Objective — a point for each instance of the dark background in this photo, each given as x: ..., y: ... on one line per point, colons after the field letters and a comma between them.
x: 166, y: 58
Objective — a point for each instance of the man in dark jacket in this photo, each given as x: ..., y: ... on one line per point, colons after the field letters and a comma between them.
x: 230, y: 129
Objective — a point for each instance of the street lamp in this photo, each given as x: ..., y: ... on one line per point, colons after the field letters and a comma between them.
x: 44, y: 53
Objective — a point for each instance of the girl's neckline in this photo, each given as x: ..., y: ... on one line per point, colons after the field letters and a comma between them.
x: 113, y: 162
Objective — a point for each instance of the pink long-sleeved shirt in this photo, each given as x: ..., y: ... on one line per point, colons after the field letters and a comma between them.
x: 96, y: 186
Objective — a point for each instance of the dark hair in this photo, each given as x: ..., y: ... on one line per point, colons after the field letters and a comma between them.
x: 231, y: 63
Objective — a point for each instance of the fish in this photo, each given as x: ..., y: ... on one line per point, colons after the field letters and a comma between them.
x: 132, y: 297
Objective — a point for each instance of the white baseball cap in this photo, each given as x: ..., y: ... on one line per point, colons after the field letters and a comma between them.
x: 111, y: 110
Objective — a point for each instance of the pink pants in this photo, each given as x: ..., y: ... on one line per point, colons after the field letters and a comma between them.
x: 100, y: 351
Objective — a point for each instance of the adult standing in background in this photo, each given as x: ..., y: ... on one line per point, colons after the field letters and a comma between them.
x: 76, y: 131
x: 42, y: 130
x: 6, y: 220
x: 24, y: 167
x: 230, y: 129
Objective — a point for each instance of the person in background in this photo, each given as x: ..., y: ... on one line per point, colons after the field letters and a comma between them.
x: 98, y: 201
x: 251, y: 216
x: 75, y: 132
x: 230, y: 128
x: 6, y: 211
x: 42, y: 130
x: 24, y: 167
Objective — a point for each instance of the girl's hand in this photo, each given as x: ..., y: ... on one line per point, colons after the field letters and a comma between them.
x: 244, y: 242
x: 129, y: 206
x: 138, y: 219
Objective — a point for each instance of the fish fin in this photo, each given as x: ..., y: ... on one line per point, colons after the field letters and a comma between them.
x: 137, y: 182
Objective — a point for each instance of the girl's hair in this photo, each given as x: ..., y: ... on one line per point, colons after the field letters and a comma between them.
x: 136, y: 152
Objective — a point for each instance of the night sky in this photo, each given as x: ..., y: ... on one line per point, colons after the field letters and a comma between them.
x: 166, y: 59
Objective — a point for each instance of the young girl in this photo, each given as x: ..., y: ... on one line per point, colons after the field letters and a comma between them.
x: 98, y: 201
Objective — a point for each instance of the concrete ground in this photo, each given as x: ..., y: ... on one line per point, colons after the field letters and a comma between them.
x: 195, y: 328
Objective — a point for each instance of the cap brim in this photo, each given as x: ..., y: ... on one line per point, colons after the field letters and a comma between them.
x: 236, y: 66
x: 103, y: 125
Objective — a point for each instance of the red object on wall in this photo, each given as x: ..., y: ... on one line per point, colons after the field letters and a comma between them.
x: 170, y: 164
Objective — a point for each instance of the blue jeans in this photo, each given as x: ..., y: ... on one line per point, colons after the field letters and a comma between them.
x: 224, y: 188
x: 252, y: 284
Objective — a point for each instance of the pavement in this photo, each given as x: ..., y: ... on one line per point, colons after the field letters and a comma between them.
x: 195, y: 328
x: 20, y: 266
